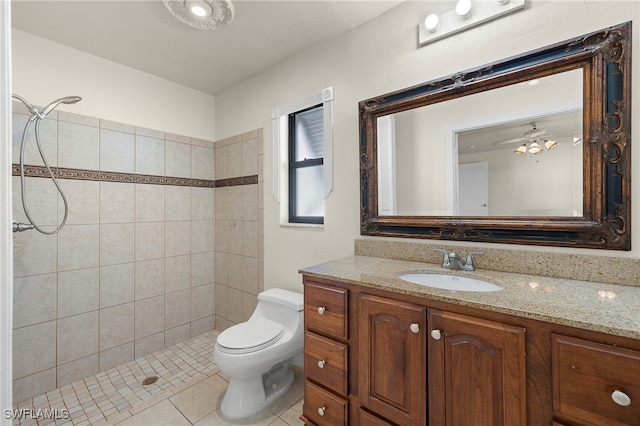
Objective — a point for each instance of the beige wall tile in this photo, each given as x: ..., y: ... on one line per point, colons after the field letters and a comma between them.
x: 234, y: 159
x: 78, y: 247
x: 235, y: 305
x: 178, y: 159
x: 116, y: 284
x: 202, y: 268
x: 77, y: 337
x: 236, y: 239
x: 118, y: 127
x: 235, y: 271
x: 149, y: 240
x: 116, y: 243
x: 202, y: 162
x: 202, y: 200
x: 149, y: 316
x: 34, y: 349
x: 249, y: 157
x: 76, y: 370
x: 250, y: 202
x: 152, y: 133
x: 220, y: 161
x: 78, y: 291
x: 177, y: 334
x: 117, y: 202
x: 250, y: 239
x: 177, y: 308
x: 34, y: 299
x: 178, y: 203
x: 177, y: 273
x: 34, y: 253
x: 48, y: 140
x: 150, y: 203
x: 149, y: 155
x: 177, y: 238
x: 201, y: 301
x: 201, y: 325
x: 250, y: 277
x: 222, y: 268
x: 149, y: 279
x: 35, y: 384
x: 249, y: 303
x: 83, y: 200
x: 221, y: 301
x: 42, y: 200
x: 78, y: 146
x: 149, y: 344
x: 116, y: 356
x: 117, y: 151
x: 116, y: 326
x: 202, y: 236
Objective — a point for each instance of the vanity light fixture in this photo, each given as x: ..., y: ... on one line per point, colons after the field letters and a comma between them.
x: 463, y: 8
x: 431, y: 22
x: 201, y: 14
x: 467, y: 14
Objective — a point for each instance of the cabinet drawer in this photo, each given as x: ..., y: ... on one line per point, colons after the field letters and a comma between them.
x: 326, y: 362
x: 322, y: 407
x: 585, y: 377
x: 369, y: 419
x: 325, y: 309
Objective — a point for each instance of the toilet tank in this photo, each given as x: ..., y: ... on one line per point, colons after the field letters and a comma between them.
x: 282, y: 306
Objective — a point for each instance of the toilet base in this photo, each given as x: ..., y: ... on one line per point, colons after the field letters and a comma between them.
x: 247, y: 396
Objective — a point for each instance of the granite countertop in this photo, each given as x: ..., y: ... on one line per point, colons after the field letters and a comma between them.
x: 606, y: 308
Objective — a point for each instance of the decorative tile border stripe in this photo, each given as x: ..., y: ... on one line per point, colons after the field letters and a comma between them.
x: 101, y: 176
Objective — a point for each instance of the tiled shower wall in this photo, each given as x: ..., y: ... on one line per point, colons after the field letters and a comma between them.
x: 239, y: 233
x: 132, y: 271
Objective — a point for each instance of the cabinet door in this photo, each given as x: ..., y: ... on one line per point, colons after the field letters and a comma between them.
x: 477, y: 372
x: 392, y: 358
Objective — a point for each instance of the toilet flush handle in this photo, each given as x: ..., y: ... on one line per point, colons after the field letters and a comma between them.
x: 321, y: 310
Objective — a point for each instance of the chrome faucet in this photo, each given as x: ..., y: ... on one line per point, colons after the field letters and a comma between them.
x: 454, y: 261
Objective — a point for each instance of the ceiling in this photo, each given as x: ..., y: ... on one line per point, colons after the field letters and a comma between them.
x: 143, y: 35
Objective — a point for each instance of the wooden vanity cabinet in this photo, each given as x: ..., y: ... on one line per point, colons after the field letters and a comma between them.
x: 326, y: 354
x: 477, y: 371
x: 594, y: 384
x: 392, y: 359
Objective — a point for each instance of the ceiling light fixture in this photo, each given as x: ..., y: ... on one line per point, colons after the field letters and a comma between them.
x: 201, y: 14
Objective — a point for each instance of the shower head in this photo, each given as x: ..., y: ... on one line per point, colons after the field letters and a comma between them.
x: 66, y: 100
x: 30, y: 107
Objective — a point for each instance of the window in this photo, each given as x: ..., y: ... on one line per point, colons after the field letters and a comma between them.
x: 302, y: 155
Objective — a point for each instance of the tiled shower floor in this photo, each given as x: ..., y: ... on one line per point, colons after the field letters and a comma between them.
x: 188, y: 392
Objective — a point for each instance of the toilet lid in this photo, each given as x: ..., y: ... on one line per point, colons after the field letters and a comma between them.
x: 250, y: 336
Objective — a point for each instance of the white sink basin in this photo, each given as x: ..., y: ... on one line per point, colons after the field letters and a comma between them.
x: 449, y: 282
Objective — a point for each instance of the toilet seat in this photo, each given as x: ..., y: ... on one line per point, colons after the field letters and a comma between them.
x: 250, y: 336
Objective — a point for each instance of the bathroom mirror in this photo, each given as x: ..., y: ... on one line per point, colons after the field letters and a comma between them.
x: 534, y: 149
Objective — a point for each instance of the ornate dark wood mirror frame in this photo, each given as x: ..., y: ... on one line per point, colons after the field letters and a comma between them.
x: 605, y: 58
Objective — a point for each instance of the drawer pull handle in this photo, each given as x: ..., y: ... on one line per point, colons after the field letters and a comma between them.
x: 435, y: 333
x: 321, y: 411
x: 415, y: 328
x: 621, y: 398
x: 321, y: 310
x: 321, y: 363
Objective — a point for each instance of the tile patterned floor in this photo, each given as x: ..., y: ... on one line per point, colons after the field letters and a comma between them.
x: 188, y: 392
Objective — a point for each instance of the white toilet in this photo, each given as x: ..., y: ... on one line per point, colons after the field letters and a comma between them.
x: 256, y: 354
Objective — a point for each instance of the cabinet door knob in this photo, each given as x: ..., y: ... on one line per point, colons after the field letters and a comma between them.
x: 321, y: 411
x: 620, y: 398
x: 321, y: 310
x: 435, y: 333
x: 321, y: 363
x: 415, y: 328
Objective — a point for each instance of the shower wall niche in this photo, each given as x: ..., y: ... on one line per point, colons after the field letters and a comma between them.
x: 133, y: 270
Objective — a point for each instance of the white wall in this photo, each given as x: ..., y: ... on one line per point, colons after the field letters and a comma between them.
x: 44, y: 71
x: 379, y: 57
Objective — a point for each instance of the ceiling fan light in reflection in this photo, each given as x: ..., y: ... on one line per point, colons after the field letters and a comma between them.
x: 535, y: 148
x: 550, y: 144
x: 522, y: 150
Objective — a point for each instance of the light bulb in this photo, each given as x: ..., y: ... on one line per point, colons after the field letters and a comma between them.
x: 463, y: 8
x: 535, y: 148
x: 522, y: 150
x: 550, y: 144
x: 431, y: 22
x: 198, y: 8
